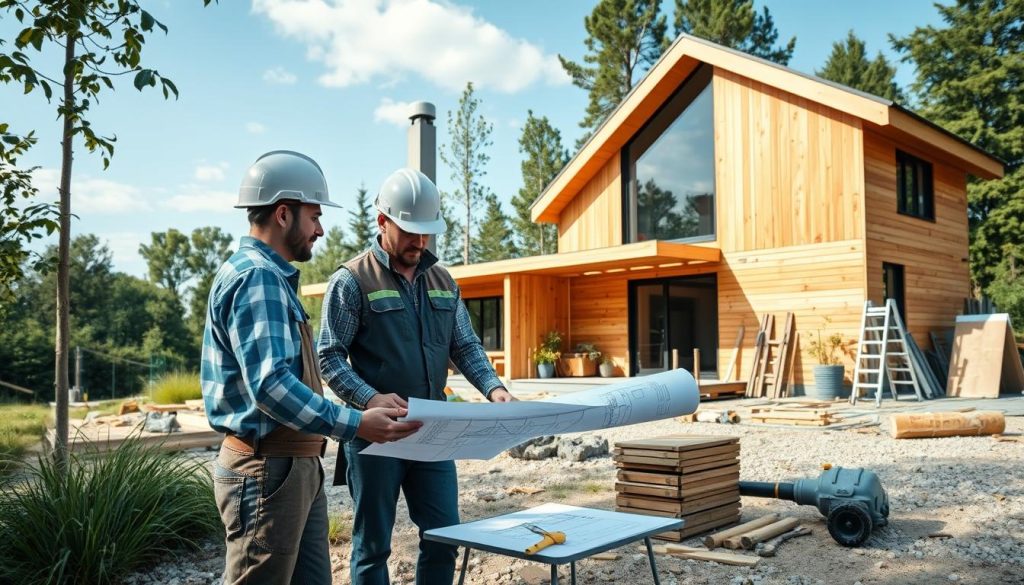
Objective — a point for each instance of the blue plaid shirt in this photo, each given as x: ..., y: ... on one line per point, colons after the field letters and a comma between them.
x: 252, y: 352
x: 340, y: 321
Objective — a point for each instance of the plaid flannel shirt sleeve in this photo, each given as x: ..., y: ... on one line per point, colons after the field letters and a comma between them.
x: 339, y: 322
x: 261, y: 326
x: 468, y: 353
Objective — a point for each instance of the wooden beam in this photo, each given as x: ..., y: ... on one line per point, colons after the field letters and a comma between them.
x: 17, y: 388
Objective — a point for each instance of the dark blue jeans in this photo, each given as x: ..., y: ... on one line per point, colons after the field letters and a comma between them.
x: 432, y: 493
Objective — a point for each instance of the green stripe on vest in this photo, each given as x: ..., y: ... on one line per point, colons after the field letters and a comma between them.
x: 383, y: 294
x: 444, y: 294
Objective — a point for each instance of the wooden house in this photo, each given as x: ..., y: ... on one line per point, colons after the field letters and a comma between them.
x: 724, y: 187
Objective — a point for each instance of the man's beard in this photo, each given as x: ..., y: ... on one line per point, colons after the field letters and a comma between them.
x: 299, y: 246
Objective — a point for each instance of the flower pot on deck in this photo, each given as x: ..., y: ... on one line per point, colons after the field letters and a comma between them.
x: 546, y: 370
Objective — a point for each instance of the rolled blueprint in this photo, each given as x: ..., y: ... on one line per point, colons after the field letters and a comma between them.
x: 473, y: 430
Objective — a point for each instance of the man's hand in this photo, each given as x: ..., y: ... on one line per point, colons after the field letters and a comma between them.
x: 501, y: 395
x: 379, y: 425
x: 386, y: 401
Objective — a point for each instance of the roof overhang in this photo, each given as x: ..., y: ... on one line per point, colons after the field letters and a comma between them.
x: 630, y: 258
x: 615, y: 259
x: 685, y: 55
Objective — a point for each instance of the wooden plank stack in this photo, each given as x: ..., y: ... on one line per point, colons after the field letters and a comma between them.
x: 793, y: 415
x: 694, y: 478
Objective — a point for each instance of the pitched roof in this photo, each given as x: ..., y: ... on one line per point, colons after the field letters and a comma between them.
x: 685, y: 54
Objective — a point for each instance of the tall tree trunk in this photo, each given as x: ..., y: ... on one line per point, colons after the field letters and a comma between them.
x: 469, y: 216
x: 60, y: 451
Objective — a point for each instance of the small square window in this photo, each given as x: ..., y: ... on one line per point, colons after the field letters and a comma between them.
x: 914, y: 192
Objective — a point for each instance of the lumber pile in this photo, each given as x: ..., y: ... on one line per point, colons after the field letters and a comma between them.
x: 794, y: 415
x: 773, y: 359
x: 690, y: 477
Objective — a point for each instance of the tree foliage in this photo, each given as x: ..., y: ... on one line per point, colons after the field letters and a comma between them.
x: 733, y: 23
x: 467, y: 156
x: 327, y: 257
x: 495, y: 240
x: 210, y: 248
x: 970, y: 80
x: 167, y: 257
x: 101, y: 40
x: 362, y: 226
x: 544, y: 157
x: 624, y: 38
x: 848, y: 64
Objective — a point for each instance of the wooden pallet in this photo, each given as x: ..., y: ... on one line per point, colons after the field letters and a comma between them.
x: 793, y: 415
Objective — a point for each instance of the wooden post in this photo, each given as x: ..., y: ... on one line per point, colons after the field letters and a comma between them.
x: 947, y: 424
x: 715, y: 540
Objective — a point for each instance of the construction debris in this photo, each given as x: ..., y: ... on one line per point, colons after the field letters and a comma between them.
x: 715, y: 540
x: 767, y: 549
x: 128, y: 406
x: 699, y: 554
x: 793, y: 415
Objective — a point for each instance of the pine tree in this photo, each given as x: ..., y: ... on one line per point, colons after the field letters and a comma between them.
x: 449, y: 244
x: 733, y: 23
x: 625, y: 37
x: 328, y: 255
x: 545, y: 157
x: 467, y: 156
x: 848, y: 64
x: 362, y: 225
x: 970, y: 80
x: 495, y: 241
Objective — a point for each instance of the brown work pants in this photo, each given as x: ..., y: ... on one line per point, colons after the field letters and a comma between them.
x: 275, y: 513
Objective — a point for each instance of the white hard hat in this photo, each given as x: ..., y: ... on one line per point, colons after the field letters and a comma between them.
x: 283, y: 174
x: 411, y: 200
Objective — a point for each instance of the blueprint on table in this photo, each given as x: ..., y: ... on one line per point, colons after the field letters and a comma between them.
x: 470, y: 430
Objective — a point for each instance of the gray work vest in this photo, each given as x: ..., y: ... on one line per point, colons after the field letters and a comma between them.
x: 398, y: 348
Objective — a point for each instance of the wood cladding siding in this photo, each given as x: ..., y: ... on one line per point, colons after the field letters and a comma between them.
x: 813, y: 281
x: 593, y: 219
x: 933, y: 253
x: 534, y: 305
x: 788, y: 170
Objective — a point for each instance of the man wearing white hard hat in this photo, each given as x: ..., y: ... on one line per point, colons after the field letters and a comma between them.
x: 261, y: 385
x: 392, y: 319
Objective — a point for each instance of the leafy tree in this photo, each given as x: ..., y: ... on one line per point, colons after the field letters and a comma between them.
x: 659, y: 219
x: 496, y: 241
x: 545, y: 157
x: 167, y: 257
x: 21, y: 221
x: 449, y: 244
x: 733, y: 23
x: 86, y: 31
x: 624, y: 38
x: 467, y: 156
x: 970, y: 80
x: 362, y: 225
x: 210, y: 248
x: 848, y: 64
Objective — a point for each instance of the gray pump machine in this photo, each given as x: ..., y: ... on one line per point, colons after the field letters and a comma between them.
x: 851, y: 499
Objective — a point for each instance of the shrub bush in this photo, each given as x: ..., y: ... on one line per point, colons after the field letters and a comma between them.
x: 176, y: 388
x: 107, y: 515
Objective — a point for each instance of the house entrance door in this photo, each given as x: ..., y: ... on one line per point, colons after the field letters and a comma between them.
x: 668, y: 319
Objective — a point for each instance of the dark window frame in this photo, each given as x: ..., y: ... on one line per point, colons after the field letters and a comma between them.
x: 479, y: 305
x: 894, y: 286
x: 915, y: 187
x: 699, y: 80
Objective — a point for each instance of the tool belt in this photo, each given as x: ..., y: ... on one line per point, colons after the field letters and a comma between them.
x: 281, y: 442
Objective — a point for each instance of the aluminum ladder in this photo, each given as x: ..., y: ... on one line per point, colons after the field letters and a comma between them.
x: 882, y: 352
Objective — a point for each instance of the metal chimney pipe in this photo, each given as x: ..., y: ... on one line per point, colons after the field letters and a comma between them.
x: 422, y: 150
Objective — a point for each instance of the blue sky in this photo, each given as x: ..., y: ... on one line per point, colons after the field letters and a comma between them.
x: 331, y: 78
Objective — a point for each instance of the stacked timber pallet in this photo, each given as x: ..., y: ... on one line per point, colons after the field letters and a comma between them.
x: 689, y: 477
x: 813, y: 415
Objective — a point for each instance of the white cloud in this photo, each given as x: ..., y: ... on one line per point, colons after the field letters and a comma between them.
x: 209, y: 173
x: 361, y: 40
x: 392, y: 112
x: 279, y: 76
x: 192, y: 197
x: 92, y: 195
x: 124, y: 247
x: 255, y: 128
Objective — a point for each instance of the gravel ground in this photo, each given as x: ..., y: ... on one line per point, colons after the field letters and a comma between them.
x: 971, y: 488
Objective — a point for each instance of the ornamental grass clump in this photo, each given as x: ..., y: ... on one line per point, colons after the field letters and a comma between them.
x: 106, y: 515
x: 176, y: 388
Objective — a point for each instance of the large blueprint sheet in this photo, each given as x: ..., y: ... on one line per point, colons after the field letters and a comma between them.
x: 469, y: 430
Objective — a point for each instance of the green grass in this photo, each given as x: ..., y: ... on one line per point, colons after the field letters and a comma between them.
x: 106, y: 516
x: 176, y: 388
x: 21, y: 426
x: 339, y: 529
x: 560, y: 491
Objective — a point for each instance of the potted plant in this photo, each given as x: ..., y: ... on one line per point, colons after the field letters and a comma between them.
x: 607, y: 367
x: 582, y: 361
x: 828, y: 350
x: 547, y: 354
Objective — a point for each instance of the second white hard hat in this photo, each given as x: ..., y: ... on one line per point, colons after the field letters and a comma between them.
x: 411, y: 200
